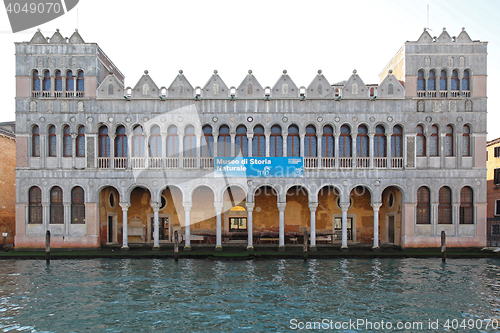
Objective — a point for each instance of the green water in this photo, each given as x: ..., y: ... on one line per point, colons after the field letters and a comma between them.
x: 134, y: 295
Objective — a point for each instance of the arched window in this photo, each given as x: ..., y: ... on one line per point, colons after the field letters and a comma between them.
x: 372, y: 92
x: 80, y: 142
x: 70, y: 81
x: 421, y: 141
x: 138, y: 141
x: 173, y: 141
x: 310, y: 142
x: 362, y: 142
x: 52, y: 141
x: 432, y: 80
x: 241, y: 141
x: 104, y: 143
x: 448, y: 141
x: 208, y: 142
x: 58, y: 80
x: 36, y: 81
x: 35, y: 206
x: 466, y: 141
x: 345, y: 147
x: 465, y: 81
x: 327, y: 142
x: 397, y: 141
x: 466, y: 206
x: 155, y: 142
x: 35, y: 141
x: 77, y: 206
x: 444, y: 207
x: 46, y: 81
x: 443, y: 81
x: 454, y: 80
x: 67, y: 142
x: 380, y: 143
x: 258, y: 142
x: 189, y: 142
x: 421, y: 81
x: 423, y: 205
x: 293, y: 141
x: 121, y: 143
x: 434, y: 141
x: 80, y: 86
x: 276, y: 142
x: 56, y: 206
x: 224, y: 142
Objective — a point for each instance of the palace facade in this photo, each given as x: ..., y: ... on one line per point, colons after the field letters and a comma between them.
x: 390, y: 163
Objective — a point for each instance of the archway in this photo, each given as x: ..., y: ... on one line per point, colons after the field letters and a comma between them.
x: 139, y: 213
x: 390, y: 216
x: 297, y: 213
x: 110, y: 216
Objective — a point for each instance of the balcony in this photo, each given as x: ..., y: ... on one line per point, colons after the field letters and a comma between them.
x: 189, y: 162
x: 57, y: 94
x: 362, y: 162
x: 310, y: 162
x: 380, y: 162
x: 328, y: 162
x: 345, y: 162
x: 207, y: 162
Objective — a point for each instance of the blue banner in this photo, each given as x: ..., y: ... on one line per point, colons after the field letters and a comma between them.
x: 259, y: 167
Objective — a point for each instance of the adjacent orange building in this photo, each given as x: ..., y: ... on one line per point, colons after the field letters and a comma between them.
x: 493, y: 189
x: 7, y: 181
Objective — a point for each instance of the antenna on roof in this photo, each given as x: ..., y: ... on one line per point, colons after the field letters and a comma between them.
x: 427, y: 26
x: 78, y: 20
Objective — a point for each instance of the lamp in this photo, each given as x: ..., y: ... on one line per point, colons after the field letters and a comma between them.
x: 4, y: 234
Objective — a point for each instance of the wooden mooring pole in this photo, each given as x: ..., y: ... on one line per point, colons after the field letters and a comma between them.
x: 176, y: 245
x: 443, y: 246
x: 305, y: 245
x: 47, y: 247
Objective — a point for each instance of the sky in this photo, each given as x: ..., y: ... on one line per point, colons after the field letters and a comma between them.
x: 232, y: 37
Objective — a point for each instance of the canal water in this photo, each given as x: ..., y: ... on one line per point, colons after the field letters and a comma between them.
x: 344, y: 295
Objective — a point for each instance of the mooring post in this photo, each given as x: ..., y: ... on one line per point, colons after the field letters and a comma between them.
x: 443, y: 246
x: 305, y: 245
x: 4, y: 234
x: 47, y: 247
x: 176, y: 245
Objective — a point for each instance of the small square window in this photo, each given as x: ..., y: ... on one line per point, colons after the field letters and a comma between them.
x: 496, y: 176
x: 497, y: 151
x: 497, y: 207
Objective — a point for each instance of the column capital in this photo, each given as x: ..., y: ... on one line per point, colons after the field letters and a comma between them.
x: 74, y: 135
x: 111, y: 136
x: 155, y: 206
x: 376, y: 205
x: 313, y: 206
x: 45, y: 204
x: 250, y: 206
x: 187, y: 206
x: 124, y: 205
x: 249, y: 136
x: 281, y: 206
x: 218, y: 207
x: 344, y: 206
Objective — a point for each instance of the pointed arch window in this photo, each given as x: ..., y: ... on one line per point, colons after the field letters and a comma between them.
x: 121, y: 143
x: 310, y: 142
x: 276, y: 142
x: 448, y: 143
x: 455, y: 86
x: 36, y: 81
x: 173, y: 141
x: 67, y: 142
x: 58, y: 81
x: 421, y: 81
x: 189, y: 142
x: 80, y: 82
x: 35, y: 141
x: 46, y: 80
x: 362, y: 142
x: 327, y: 142
x: 80, y: 142
x: 444, y: 207
x: 52, y: 141
x: 423, y: 205
x: 241, y: 141
x: 466, y: 141
x: 224, y: 142
x: 56, y: 206
x: 70, y: 81
x: 155, y: 142
x: 258, y: 142
x: 35, y: 206
x: 345, y: 140
x: 104, y: 142
x: 208, y: 142
x: 380, y: 142
x: 443, y: 81
x: 434, y: 148
x: 293, y: 141
x: 465, y: 81
x: 397, y: 141
x: 421, y: 141
x: 138, y: 142
x: 466, y: 206
x: 432, y: 80
x: 77, y: 206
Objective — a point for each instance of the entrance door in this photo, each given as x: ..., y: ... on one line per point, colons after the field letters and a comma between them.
x: 338, y: 228
x: 110, y: 229
x: 164, y: 224
x: 391, y: 228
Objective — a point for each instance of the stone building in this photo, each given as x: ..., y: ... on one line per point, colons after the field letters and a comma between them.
x: 7, y: 180
x: 390, y: 163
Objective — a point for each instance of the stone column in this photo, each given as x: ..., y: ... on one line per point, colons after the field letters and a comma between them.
x: 250, y: 207
x: 233, y: 144
x: 218, y: 212
x: 146, y: 150
x: 43, y: 150
x: 319, y: 147
x: 73, y: 148
x: 129, y: 150
x: 312, y: 207
x: 111, y: 151
x: 434, y: 218
x: 46, y: 215
x: 345, y: 207
x: 187, y: 225
x: 268, y: 144
x: 458, y: 139
x: 181, y: 149
x: 67, y: 217
x: 456, y: 217
x: 371, y: 153
x: 125, y: 207
x: 285, y: 145
x: 376, y: 206
x: 216, y: 143
x: 156, y: 228
x: 388, y: 146
x: 281, y: 208
x: 164, y: 145
x: 250, y: 144
x: 336, y: 150
x: 442, y: 138
x: 198, y: 151
x: 59, y: 150
x: 427, y: 149
x: 354, y: 154
x: 302, y: 139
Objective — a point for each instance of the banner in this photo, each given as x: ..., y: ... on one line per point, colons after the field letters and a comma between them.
x: 283, y: 167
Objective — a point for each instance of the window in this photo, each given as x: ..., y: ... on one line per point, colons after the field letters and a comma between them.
x: 172, y: 142
x: 138, y: 142
x: 104, y: 143
x: 496, y: 176
x: 46, y: 81
x: 466, y: 206
x: 497, y: 151
x: 224, y: 142
x: 36, y: 81
x: 237, y: 224
x: 110, y: 89
x: 444, y: 207
x: 80, y: 82
x: 293, y: 141
x: 465, y: 81
x: 423, y: 205
x: 345, y: 147
x: 241, y: 141
x: 443, y: 81
x: 362, y: 142
x: 310, y: 142
x: 258, y: 142
x: 276, y: 142
x: 155, y: 142
x: 121, y: 144
x: 189, y: 142
x: 380, y: 142
x: 327, y: 142
x: 432, y: 80
x: 421, y: 147
x: 67, y: 142
x: 52, y: 141
x: 454, y: 80
x: 390, y: 89
x: 421, y: 81
x: 466, y: 141
x: 397, y: 141
x: 77, y: 206
x: 35, y: 206
x: 80, y: 142
x: 70, y: 83
x: 35, y: 141
x: 58, y: 79
x: 208, y: 142
x: 434, y: 141
x: 56, y: 206
x: 448, y: 141
x: 497, y: 207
